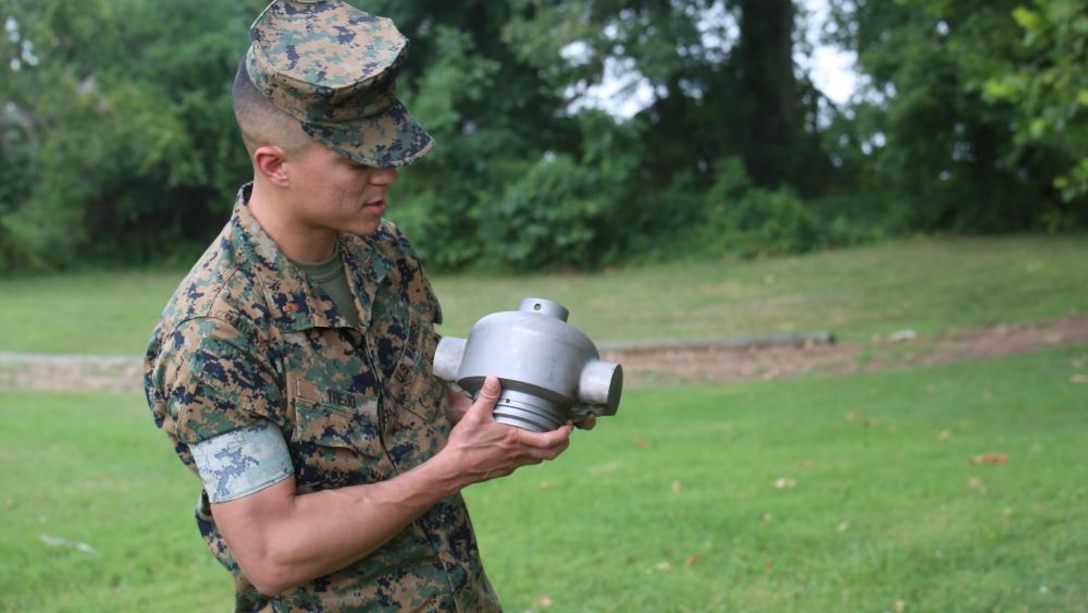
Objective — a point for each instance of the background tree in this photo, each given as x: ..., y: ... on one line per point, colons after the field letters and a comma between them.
x: 132, y: 147
x: 117, y: 143
x: 521, y: 178
x: 724, y: 85
x: 1046, y: 82
x: 941, y: 150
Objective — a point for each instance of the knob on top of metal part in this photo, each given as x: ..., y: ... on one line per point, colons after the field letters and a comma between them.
x: 550, y: 372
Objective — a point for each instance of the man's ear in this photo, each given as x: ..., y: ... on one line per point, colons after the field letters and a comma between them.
x: 269, y: 161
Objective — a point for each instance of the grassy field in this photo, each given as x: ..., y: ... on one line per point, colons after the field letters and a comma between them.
x: 953, y: 488
x: 928, y: 285
x: 842, y: 494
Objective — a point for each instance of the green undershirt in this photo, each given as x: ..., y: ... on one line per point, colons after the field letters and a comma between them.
x: 331, y: 277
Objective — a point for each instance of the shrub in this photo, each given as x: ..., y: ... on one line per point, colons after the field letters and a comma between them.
x: 749, y: 221
x: 550, y: 218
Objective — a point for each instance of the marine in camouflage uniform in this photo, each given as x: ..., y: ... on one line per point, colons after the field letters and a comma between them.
x: 248, y: 339
x: 260, y: 374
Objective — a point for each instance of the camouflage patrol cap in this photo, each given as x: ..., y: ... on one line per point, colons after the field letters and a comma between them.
x: 334, y: 67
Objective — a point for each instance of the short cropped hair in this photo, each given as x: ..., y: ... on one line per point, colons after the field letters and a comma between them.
x: 261, y: 122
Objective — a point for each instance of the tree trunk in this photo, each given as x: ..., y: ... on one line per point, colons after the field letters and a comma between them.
x: 765, y: 62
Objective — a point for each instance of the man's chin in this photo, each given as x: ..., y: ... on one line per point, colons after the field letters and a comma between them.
x: 366, y: 229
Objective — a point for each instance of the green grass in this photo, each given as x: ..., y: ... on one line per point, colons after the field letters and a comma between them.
x: 92, y: 469
x: 929, y: 285
x: 94, y: 313
x: 672, y: 505
x: 669, y: 506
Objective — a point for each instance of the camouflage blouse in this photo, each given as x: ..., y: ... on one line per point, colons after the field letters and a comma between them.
x: 248, y: 337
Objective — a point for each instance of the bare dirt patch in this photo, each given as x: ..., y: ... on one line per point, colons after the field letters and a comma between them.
x: 715, y: 364
x: 660, y: 364
x: 75, y: 374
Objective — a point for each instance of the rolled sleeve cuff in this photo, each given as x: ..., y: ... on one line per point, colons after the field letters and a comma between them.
x: 242, y: 462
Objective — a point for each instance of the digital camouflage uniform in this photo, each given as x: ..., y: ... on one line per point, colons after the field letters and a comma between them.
x: 248, y: 338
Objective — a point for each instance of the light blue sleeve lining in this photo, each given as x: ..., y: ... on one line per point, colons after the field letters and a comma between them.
x: 242, y: 462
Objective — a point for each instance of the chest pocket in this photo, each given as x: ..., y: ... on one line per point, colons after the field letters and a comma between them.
x: 422, y: 417
x: 405, y: 342
x: 337, y: 438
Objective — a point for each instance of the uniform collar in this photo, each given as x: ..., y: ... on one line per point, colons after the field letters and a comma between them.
x: 294, y: 302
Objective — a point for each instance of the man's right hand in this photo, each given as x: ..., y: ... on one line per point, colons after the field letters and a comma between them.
x: 485, y: 449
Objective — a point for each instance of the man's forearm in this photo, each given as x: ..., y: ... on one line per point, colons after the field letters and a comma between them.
x: 283, y: 540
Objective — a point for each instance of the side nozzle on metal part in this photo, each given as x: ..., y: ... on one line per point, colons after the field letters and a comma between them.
x: 550, y: 372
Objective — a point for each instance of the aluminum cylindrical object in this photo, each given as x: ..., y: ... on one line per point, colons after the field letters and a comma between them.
x: 549, y: 370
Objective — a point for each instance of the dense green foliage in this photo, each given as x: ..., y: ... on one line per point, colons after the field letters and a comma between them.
x: 117, y: 142
x: 124, y: 141
x: 974, y: 112
x: 1048, y: 85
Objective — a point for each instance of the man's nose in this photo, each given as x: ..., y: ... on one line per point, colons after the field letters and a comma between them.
x: 383, y: 176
